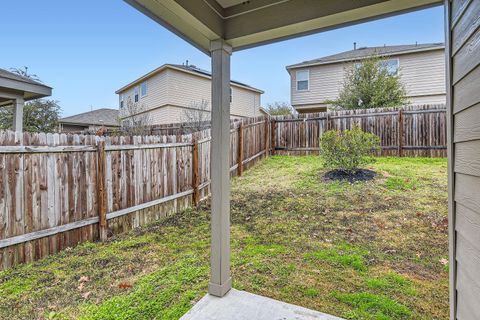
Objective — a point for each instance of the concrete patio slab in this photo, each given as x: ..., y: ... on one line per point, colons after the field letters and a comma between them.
x: 241, y: 305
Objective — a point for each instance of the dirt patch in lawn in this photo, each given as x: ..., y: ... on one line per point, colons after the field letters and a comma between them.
x: 358, y: 175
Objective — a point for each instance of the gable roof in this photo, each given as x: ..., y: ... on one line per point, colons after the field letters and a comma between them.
x: 190, y: 69
x: 365, y: 52
x: 104, y: 116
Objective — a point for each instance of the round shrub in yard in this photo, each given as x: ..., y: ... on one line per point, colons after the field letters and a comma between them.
x: 347, y: 151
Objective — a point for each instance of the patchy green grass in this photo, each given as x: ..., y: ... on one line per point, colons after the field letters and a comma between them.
x: 372, y: 306
x: 343, y: 255
x: 367, y: 250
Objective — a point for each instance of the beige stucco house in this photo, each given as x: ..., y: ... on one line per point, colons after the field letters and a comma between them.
x: 421, y: 68
x: 168, y: 91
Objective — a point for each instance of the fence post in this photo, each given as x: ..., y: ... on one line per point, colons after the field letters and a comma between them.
x: 400, y: 133
x: 240, y: 149
x: 266, y: 136
x: 102, y: 195
x: 195, y: 182
x: 272, y: 136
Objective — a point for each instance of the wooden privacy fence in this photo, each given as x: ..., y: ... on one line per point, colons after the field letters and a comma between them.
x: 57, y: 190
x: 407, y: 131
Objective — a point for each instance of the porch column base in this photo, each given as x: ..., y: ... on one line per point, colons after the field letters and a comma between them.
x: 219, y: 290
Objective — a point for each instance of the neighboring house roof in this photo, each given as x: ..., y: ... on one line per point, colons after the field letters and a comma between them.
x: 30, y: 89
x: 365, y: 52
x: 104, y: 116
x: 262, y: 109
x: 191, y: 69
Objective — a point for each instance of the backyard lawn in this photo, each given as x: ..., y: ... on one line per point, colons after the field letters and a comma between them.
x: 367, y: 250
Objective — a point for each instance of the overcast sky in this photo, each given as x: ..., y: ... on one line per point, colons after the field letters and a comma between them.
x: 88, y: 49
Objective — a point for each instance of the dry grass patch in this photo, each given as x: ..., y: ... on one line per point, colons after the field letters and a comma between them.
x: 364, y: 250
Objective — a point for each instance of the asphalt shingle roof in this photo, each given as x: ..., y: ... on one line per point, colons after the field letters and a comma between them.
x: 188, y: 68
x: 369, y: 51
x: 207, y: 73
x: 104, y: 116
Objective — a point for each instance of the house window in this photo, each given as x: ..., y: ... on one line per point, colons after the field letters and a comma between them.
x: 136, y: 94
x: 121, y: 100
x: 391, y: 65
x: 143, y: 89
x: 303, y: 77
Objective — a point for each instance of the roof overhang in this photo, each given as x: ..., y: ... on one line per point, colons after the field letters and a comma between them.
x: 251, y: 23
x: 172, y: 67
x: 12, y: 88
x: 398, y: 53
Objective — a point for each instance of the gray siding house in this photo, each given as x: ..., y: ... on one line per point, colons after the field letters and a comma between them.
x: 421, y: 68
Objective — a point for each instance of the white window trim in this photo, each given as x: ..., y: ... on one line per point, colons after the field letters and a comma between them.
x: 146, y: 89
x: 398, y: 64
x: 308, y: 80
x: 136, y: 92
x: 356, y: 64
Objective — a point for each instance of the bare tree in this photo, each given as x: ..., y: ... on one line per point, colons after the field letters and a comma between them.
x: 135, y: 119
x: 196, y: 117
x: 24, y: 73
x: 279, y: 108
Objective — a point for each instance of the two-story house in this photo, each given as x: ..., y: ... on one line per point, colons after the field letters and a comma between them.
x: 168, y: 91
x: 421, y: 68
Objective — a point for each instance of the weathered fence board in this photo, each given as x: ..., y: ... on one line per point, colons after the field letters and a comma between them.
x: 57, y: 190
x: 407, y: 131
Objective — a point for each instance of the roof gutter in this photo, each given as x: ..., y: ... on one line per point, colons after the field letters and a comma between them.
x: 303, y: 65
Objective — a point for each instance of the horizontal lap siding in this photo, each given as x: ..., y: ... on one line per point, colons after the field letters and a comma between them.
x: 325, y: 84
x: 422, y: 73
x: 170, y: 91
x: 465, y: 78
x: 186, y: 89
x: 157, y: 93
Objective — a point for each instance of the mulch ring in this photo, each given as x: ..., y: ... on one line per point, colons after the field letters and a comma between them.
x: 340, y: 175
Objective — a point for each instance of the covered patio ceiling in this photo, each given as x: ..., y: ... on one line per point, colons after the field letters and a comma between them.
x: 244, y: 24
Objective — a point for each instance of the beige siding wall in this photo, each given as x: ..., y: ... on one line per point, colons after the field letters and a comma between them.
x: 157, y: 93
x: 423, y: 75
x: 186, y: 89
x: 464, y: 205
x: 174, y: 90
x: 325, y: 84
x: 167, y: 114
x: 433, y: 99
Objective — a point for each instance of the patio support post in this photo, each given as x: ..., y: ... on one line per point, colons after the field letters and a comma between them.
x: 18, y: 114
x: 220, y: 279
